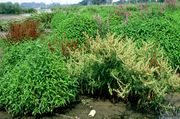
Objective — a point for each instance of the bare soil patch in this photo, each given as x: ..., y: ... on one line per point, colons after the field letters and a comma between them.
x: 13, y: 17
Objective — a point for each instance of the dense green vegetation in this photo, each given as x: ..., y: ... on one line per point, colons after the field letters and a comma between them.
x: 74, y: 26
x: 34, y: 80
x: 162, y: 29
x: 143, y: 23
x: 137, y: 64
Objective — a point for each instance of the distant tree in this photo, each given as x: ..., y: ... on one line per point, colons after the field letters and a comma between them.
x: 29, y: 10
x: 95, y: 2
x: 84, y: 2
x: 10, y: 8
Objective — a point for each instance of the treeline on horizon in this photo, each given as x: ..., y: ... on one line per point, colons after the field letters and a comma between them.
x: 14, y: 8
x: 98, y: 2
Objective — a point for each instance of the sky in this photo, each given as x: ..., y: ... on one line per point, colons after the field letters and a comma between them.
x: 46, y: 1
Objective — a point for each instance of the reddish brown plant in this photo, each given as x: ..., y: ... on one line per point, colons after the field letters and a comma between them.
x: 50, y: 47
x: 66, y: 46
x: 20, y: 31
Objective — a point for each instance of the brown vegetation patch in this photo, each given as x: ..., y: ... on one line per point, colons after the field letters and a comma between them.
x: 20, y: 31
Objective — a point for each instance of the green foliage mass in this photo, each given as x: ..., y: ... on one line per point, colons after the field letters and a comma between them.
x: 116, y: 67
x: 33, y: 80
x: 150, y: 22
x: 163, y: 30
x: 57, y: 18
x: 73, y: 27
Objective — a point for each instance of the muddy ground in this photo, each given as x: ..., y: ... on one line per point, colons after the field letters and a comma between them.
x: 104, y: 110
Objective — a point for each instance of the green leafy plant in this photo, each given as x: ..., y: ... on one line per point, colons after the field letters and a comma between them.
x: 151, y: 23
x: 57, y: 18
x: 34, y: 80
x: 160, y: 30
x: 73, y: 27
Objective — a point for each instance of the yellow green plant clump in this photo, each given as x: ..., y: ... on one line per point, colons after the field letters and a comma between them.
x: 116, y: 67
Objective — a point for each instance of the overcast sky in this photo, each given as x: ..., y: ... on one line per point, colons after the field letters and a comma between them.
x: 46, y: 1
